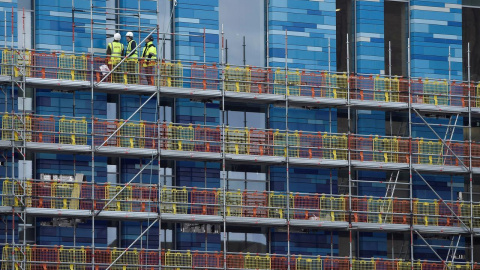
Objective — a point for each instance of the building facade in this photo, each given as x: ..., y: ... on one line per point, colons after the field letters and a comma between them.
x: 268, y: 134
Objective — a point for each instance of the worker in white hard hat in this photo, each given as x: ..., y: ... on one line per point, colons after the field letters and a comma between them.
x: 115, y: 52
x: 132, y: 59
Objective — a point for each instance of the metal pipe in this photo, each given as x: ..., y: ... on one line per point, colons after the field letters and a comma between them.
x: 443, y: 142
x: 287, y: 154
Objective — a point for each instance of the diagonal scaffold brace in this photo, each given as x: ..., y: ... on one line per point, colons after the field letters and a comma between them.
x: 441, y: 140
x: 125, y: 186
x: 441, y: 199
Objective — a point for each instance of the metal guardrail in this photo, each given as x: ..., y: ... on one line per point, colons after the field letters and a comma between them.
x: 307, y: 83
x: 239, y: 203
x: 59, y: 257
x: 241, y: 141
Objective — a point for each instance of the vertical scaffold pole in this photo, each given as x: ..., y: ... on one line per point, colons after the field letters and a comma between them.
x: 92, y: 134
x: 224, y: 179
x: 410, y: 152
x: 159, y: 149
x: 287, y: 154
x: 349, y: 124
x: 470, y: 153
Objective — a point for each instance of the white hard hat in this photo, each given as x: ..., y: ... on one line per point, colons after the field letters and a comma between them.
x: 129, y: 34
x: 117, y: 36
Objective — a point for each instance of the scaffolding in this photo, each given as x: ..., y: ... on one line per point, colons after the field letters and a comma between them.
x: 24, y: 132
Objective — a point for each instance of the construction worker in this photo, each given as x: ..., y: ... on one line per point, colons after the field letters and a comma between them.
x: 150, y: 55
x: 132, y: 59
x: 115, y: 51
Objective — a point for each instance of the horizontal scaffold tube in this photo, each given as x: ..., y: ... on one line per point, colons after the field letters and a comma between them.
x: 371, y: 149
x: 242, y: 79
x: 46, y: 257
x: 49, y: 194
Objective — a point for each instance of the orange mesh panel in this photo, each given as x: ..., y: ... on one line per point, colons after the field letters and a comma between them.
x: 310, y: 145
x: 44, y: 129
x: 261, y: 81
x: 280, y: 263
x: 151, y: 134
x: 260, y: 142
x: 149, y: 258
x: 306, y: 207
x: 204, y: 202
x: 204, y: 77
x: 402, y: 207
x: 363, y: 88
x: 103, y: 129
x: 255, y: 204
x: 360, y: 208
x: 44, y: 65
x: 202, y: 261
x: 235, y: 261
x: 335, y: 264
x: 313, y: 84
x: 207, y: 139
x: 434, y: 266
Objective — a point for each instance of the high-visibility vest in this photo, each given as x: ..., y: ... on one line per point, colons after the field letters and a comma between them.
x: 116, y: 48
x: 130, y: 49
x: 150, y: 52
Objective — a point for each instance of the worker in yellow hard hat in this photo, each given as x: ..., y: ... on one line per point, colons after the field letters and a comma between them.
x: 132, y: 59
x: 115, y: 52
x: 149, y: 56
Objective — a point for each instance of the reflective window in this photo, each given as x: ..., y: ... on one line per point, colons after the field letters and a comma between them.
x: 243, y: 19
x: 245, y: 119
x: 246, y: 242
x: 344, y: 26
x: 396, y: 33
x: 471, y: 35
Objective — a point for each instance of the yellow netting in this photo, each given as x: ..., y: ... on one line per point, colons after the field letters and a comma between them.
x: 430, y: 152
x: 379, y: 209
x: 459, y: 266
x: 131, y: 71
x: 62, y: 194
x: 476, y: 215
x: 12, y: 258
x: 237, y: 141
x: 16, y: 122
x: 257, y: 262
x: 385, y: 149
x: 171, y: 74
x: 73, y: 131
x: 426, y: 213
x: 10, y: 190
x: 308, y: 263
x: 333, y: 207
x: 122, y: 202
x: 337, y: 85
x: 178, y: 259
x: 72, y: 67
x: 174, y: 200
x: 363, y: 265
x: 72, y: 258
x: 386, y: 89
x: 128, y: 261
x: 181, y: 137
x: 293, y: 81
x: 132, y: 135
x: 277, y: 205
x: 233, y: 202
x: 335, y: 146
x: 18, y: 60
x: 237, y: 79
x: 436, y: 92
x: 401, y: 265
x: 477, y: 96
